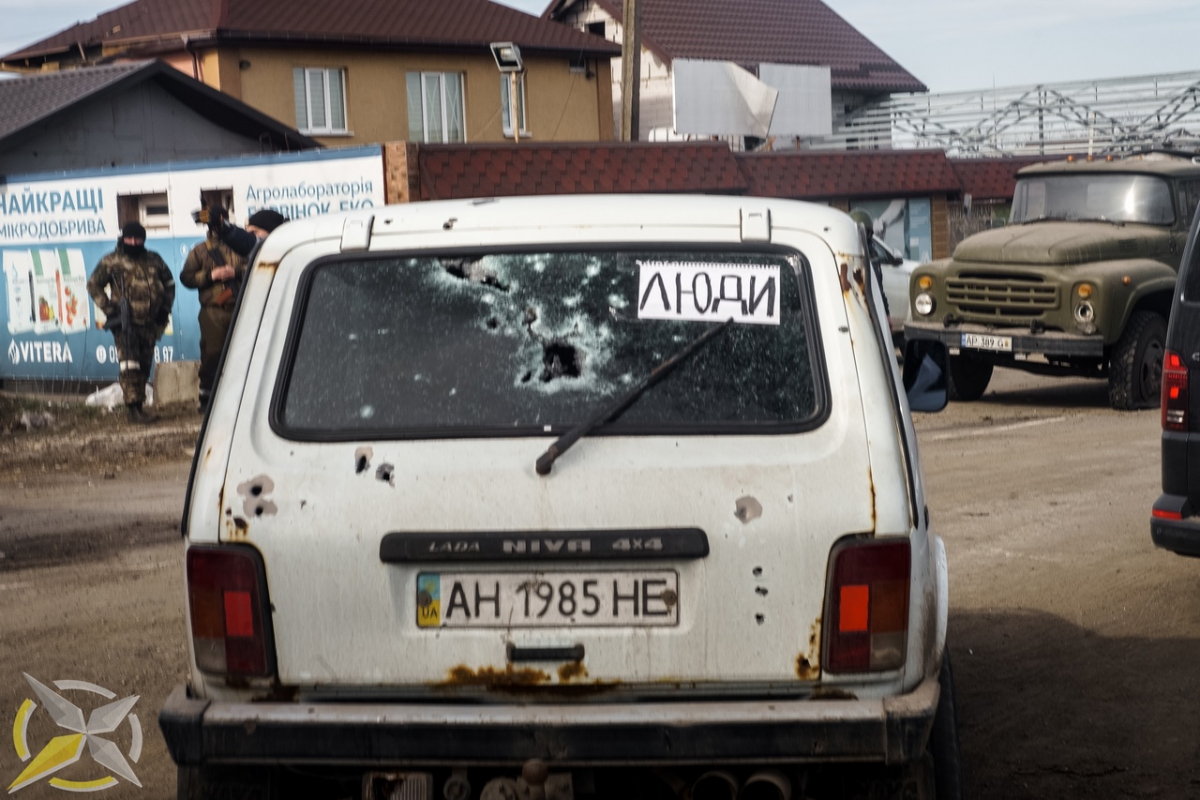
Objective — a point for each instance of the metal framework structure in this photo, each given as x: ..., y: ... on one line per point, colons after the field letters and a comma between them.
x: 1117, y: 115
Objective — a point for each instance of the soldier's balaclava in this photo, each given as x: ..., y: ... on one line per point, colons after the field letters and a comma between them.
x: 132, y: 230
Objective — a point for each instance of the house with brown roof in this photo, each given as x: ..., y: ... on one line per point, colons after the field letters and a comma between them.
x: 130, y: 114
x: 785, y: 48
x: 361, y: 71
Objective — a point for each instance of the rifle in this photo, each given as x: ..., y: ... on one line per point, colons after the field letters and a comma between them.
x: 122, y: 321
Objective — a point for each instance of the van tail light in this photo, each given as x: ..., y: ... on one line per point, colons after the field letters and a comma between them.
x: 867, y: 607
x: 226, y: 599
x: 1174, y: 393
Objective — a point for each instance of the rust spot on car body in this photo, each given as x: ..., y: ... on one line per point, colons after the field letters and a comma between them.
x: 871, y: 484
x: 492, y: 678
x: 571, y: 671
x: 808, y: 665
x: 238, y: 529
x: 267, y: 266
x: 844, y: 277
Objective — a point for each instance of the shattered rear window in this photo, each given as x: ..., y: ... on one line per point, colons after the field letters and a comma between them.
x: 522, y: 344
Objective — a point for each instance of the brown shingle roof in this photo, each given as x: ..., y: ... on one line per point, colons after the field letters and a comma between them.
x: 395, y: 23
x: 852, y: 174
x: 26, y: 101
x: 750, y: 32
x: 990, y: 178
x: 455, y: 171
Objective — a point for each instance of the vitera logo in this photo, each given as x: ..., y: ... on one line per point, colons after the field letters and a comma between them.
x: 39, y: 353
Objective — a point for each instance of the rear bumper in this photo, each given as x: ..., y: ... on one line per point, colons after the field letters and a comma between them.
x: 1050, y: 343
x: 1180, y: 536
x: 893, y: 731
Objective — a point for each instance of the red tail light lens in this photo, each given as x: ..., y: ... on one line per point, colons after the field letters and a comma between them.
x: 225, y: 597
x: 868, y: 607
x: 1174, y: 393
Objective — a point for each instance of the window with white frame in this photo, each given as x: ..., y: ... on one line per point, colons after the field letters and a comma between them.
x: 435, y: 107
x: 506, y: 104
x: 320, y: 99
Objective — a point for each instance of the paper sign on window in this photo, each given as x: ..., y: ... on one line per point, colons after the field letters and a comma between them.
x: 709, y: 292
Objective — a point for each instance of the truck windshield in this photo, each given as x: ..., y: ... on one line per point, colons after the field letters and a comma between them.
x: 1107, y: 197
x: 532, y: 343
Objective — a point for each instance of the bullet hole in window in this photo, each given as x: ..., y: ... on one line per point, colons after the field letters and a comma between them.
x: 493, y: 323
x: 256, y: 490
x: 559, y: 360
x: 760, y: 618
x: 758, y: 572
x: 258, y: 511
x: 472, y: 270
x: 361, y: 465
x: 386, y: 473
x: 761, y: 591
x: 527, y: 377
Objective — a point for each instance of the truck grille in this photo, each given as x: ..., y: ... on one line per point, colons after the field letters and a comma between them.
x: 1002, y: 296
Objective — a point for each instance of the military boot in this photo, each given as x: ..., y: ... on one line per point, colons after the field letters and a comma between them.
x: 137, y: 416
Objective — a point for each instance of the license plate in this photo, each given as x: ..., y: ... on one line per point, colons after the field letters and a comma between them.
x: 981, y: 341
x: 638, y: 598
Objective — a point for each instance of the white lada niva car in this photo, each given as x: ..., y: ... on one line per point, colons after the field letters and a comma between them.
x: 565, y: 497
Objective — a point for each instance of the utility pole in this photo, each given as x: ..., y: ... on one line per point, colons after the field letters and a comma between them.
x: 631, y: 69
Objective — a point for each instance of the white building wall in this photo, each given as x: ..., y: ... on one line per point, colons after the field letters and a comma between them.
x: 656, y: 122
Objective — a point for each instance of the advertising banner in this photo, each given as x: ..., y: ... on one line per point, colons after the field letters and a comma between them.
x: 54, y: 229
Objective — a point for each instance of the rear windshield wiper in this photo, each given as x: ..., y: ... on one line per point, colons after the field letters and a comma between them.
x: 615, y: 408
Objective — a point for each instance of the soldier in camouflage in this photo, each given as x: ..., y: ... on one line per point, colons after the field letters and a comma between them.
x: 139, y: 278
x: 215, y: 271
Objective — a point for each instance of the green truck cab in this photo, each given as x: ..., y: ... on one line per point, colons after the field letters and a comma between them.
x: 1079, y: 282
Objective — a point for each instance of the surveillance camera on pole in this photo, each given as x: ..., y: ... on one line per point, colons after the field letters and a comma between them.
x: 508, y: 61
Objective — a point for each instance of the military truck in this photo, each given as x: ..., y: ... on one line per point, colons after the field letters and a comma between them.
x: 1079, y: 282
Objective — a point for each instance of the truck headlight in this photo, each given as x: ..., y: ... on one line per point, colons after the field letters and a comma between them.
x: 924, y: 304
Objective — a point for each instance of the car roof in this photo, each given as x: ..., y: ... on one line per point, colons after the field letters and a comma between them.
x: 1163, y: 164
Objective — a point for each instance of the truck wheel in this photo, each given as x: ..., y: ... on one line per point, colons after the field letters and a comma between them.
x: 1135, y: 368
x: 969, y: 377
x: 943, y: 739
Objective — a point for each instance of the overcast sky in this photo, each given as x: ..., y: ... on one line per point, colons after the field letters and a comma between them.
x: 947, y: 44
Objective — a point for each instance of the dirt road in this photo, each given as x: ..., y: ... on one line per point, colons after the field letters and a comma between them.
x: 1075, y: 641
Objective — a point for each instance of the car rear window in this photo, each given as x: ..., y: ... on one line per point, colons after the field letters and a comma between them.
x: 531, y: 343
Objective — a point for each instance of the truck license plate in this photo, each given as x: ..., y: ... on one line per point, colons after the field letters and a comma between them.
x: 640, y: 598
x: 981, y: 341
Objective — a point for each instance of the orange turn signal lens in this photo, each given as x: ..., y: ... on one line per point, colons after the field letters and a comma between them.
x: 925, y: 282
x: 855, y: 609
x: 1084, y: 290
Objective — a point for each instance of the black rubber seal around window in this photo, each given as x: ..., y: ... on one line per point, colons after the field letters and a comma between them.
x: 807, y: 310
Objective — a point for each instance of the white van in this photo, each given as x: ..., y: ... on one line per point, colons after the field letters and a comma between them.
x: 565, y: 497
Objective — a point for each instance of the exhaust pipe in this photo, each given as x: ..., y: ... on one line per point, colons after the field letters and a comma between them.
x: 715, y: 785
x: 767, y: 785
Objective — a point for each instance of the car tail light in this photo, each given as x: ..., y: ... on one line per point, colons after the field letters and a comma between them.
x: 1174, y: 393
x: 868, y: 607
x: 226, y: 601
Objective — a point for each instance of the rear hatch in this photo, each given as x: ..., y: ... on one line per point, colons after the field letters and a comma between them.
x: 1181, y: 448
x: 410, y: 544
